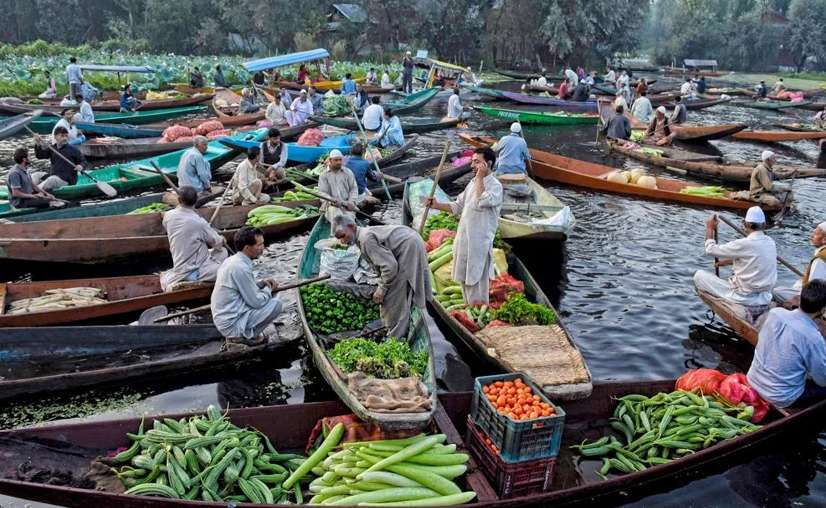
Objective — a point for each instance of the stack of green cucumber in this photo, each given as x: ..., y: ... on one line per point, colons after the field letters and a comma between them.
x: 268, y: 215
x: 151, y: 208
x: 441, y: 256
x: 664, y: 427
x: 208, y: 458
x: 293, y: 195
x: 417, y: 471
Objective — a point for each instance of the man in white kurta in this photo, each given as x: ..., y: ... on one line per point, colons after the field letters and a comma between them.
x: 246, y: 182
x: 339, y: 183
x: 642, y: 109
x: 816, y: 270
x: 753, y: 260
x: 197, y: 249
x: 399, y: 256
x: 573, y: 79
x: 478, y: 207
x: 455, y: 109
x: 243, y: 308
x: 300, y: 110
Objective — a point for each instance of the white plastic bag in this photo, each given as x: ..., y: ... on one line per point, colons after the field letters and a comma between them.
x: 340, y: 264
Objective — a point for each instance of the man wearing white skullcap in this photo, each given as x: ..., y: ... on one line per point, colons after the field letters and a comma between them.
x: 762, y: 188
x: 339, y: 183
x: 815, y: 270
x: 511, y: 152
x: 659, y: 131
x: 754, y: 266
x: 300, y: 110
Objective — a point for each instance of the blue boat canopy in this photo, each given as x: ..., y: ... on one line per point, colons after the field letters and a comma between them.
x: 145, y: 69
x: 272, y: 62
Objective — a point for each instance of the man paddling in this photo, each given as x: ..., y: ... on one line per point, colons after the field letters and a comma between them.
x: 789, y: 365
x: 398, y: 254
x: 511, y: 152
x: 478, y: 207
x: 23, y: 193
x: 754, y: 265
x: 64, y: 169
x: 618, y: 127
x: 339, y: 183
x: 244, y: 309
x: 816, y: 270
x: 762, y: 187
x: 197, y: 249
x: 659, y: 131
x: 193, y: 169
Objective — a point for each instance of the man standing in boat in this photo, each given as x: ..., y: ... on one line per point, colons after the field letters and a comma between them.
x: 754, y: 265
x: 762, y: 188
x: 512, y: 152
x: 478, y: 207
x: 789, y: 365
x: 244, y: 309
x: 197, y: 249
x: 398, y: 254
x: 339, y: 183
x: 816, y: 270
x: 407, y: 73
x: 193, y: 169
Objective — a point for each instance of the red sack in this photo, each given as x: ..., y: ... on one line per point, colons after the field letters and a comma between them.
x: 706, y: 381
x: 311, y: 137
x: 503, y: 286
x: 218, y: 133
x: 206, y: 127
x: 736, y: 389
x: 497, y: 324
x: 177, y: 131
x: 437, y: 238
x: 185, y: 139
x: 461, y: 317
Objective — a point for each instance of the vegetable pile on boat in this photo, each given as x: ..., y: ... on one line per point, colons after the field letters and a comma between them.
x: 207, y: 458
x: 655, y: 430
x: 294, y: 195
x: 337, y: 105
x: 417, y: 471
x: 152, y: 208
x: 58, y: 299
x: 330, y: 311
x: 708, y: 191
x: 388, y: 359
x: 267, y: 215
x: 633, y: 177
x: 516, y: 400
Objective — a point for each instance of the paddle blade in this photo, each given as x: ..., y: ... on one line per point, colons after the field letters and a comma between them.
x: 107, y: 189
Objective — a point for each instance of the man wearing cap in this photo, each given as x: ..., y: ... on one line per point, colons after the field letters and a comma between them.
x: 763, y: 189
x: 247, y: 183
x: 193, y: 169
x: 407, y: 73
x: 642, y: 109
x: 339, y: 183
x: 300, y: 110
x: 511, y: 152
x: 754, y: 265
x: 816, y: 270
x: 618, y: 127
x: 659, y: 131
x: 455, y: 109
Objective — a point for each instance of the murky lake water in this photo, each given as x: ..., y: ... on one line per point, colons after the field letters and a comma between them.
x: 622, y: 282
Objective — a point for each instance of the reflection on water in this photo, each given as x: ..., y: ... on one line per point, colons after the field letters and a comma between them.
x: 622, y: 282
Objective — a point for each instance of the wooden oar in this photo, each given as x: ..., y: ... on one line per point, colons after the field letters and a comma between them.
x: 716, y: 259
x: 164, y: 176
x: 331, y: 200
x: 435, y: 185
x: 227, y: 192
x: 375, y: 164
x: 104, y: 187
x: 206, y: 307
x: 779, y: 259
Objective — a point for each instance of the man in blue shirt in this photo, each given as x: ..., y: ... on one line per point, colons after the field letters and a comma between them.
x: 348, y: 86
x: 194, y: 170
x: 790, y: 349
x: 511, y: 152
x: 362, y: 170
x: 75, y: 77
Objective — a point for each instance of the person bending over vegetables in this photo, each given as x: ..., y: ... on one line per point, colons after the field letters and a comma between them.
x: 243, y: 309
x: 478, y: 207
x: 398, y: 254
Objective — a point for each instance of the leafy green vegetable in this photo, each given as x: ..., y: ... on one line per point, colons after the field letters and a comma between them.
x: 153, y: 208
x: 518, y: 311
x: 389, y: 359
x: 330, y: 311
x: 338, y: 105
x: 441, y: 220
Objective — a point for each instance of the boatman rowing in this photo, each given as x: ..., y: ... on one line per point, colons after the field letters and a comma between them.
x: 754, y: 263
x: 339, y: 183
x: 816, y: 270
x: 478, y: 207
x: 193, y: 169
x: 398, y: 254
x: 763, y: 189
x: 512, y: 152
x: 23, y: 193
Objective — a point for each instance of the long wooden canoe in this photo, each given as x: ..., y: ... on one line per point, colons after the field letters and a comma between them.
x: 288, y: 427
x: 565, y: 105
x: 701, y: 133
x: 540, y: 117
x: 105, y: 239
x: 778, y: 136
x: 697, y: 104
x: 124, y: 295
x: 557, y: 168
x: 412, y: 102
x: 322, y: 85
x: 798, y: 127
x: 11, y: 126
x: 45, y: 123
x: 520, y: 75
x: 726, y: 172
x: 491, y: 93
x: 503, y: 362
x: 769, y: 105
x: 109, y: 207
x: 51, y: 359
x: 119, y: 130
x: 528, y: 218
x: 409, y: 126
x: 109, y: 105
x: 108, y: 148
x: 418, y: 338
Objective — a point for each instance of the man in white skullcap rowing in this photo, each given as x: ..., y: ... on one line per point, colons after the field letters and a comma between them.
x: 763, y: 189
x: 754, y: 265
x: 790, y: 296
x: 511, y: 152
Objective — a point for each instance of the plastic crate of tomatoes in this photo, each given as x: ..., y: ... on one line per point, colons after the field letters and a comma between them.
x: 520, y: 420
x: 509, y: 480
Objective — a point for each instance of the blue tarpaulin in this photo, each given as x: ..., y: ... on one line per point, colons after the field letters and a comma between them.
x: 290, y: 59
x: 117, y: 68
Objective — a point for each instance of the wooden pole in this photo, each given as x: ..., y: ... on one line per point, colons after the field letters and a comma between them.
x: 435, y: 185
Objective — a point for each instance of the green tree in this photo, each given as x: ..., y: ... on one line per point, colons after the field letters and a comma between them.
x: 807, y: 31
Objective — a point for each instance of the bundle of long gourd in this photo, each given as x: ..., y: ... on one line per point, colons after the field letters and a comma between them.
x: 58, y: 299
x: 417, y: 471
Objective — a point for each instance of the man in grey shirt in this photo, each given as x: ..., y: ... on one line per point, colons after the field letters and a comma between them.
x: 23, y: 193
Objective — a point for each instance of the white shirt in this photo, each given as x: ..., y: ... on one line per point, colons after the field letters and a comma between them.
x: 372, y: 117
x: 385, y: 80
x: 542, y: 81
x: 685, y: 89
x: 478, y: 222
x: 611, y: 76
x: 454, y: 106
x: 73, y: 132
x: 755, y: 262
x: 86, y: 113
x: 818, y: 272
x: 573, y: 79
x: 275, y: 113
x: 642, y: 109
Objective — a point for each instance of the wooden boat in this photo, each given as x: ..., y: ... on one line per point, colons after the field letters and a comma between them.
x: 661, y: 98
x: 109, y: 105
x: 186, y: 88
x: 679, y: 71
x: 11, y: 126
x: 321, y: 86
x: 768, y: 104
x: 540, y: 117
x: 520, y: 75
x: 418, y: 338
x: 525, y: 219
x: 505, y: 362
x: 701, y: 133
x: 485, y: 92
x: 119, y: 130
x: 124, y: 295
x: 778, y: 136
x: 695, y: 104
x: 409, y: 126
x: 101, y: 208
x: 139, y: 175
x: 798, y: 127
x: 715, y: 170
x: 408, y: 170
x: 412, y: 102
x: 812, y: 106
x: 288, y: 427
x: 50, y: 359
x: 225, y: 105
x: 585, y: 107
x: 557, y: 168
x: 716, y: 91
x: 109, y: 148
x: 104, y: 239
x: 45, y: 123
